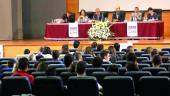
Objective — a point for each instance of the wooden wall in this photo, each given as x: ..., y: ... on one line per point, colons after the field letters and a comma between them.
x: 73, y: 6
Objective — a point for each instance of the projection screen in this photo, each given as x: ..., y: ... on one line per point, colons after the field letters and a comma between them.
x: 128, y: 5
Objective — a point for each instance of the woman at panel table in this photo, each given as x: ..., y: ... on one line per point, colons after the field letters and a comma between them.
x: 151, y: 16
x: 136, y: 15
x: 83, y: 17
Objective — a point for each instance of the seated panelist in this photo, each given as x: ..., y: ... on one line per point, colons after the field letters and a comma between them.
x: 117, y: 15
x: 83, y: 17
x: 68, y: 17
x: 97, y: 15
x: 136, y: 15
x: 151, y: 14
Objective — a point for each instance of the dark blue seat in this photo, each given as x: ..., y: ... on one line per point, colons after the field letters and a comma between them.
x: 164, y: 73
x: 166, y: 49
x: 118, y: 86
x: 56, y: 66
x: 89, y: 71
x: 35, y: 74
x: 66, y: 75
x: 140, y: 59
x: 153, y: 70
x: 122, y: 62
x: 48, y: 86
x: 141, y: 66
x: 15, y: 85
x: 165, y: 65
x: 83, y: 86
x: 154, y: 86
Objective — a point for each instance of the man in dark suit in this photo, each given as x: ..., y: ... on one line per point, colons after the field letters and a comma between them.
x: 118, y: 16
x: 151, y: 14
x: 98, y: 15
x: 69, y: 17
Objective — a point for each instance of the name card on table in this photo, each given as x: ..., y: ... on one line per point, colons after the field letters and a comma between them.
x: 73, y: 30
x: 1, y: 51
x: 132, y: 29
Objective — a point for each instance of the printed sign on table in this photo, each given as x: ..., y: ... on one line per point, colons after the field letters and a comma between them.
x: 73, y: 30
x: 132, y: 29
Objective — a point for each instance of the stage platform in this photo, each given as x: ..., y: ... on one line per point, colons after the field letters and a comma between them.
x: 14, y: 47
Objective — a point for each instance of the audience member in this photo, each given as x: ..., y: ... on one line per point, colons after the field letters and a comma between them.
x: 65, y: 49
x: 117, y: 46
x: 89, y: 50
x: 136, y: 15
x: 132, y: 64
x: 68, y: 60
x: 55, y: 55
x: 105, y: 57
x: 113, y: 56
x: 83, y: 16
x: 76, y: 44
x: 77, y: 56
x: 151, y: 14
x: 94, y: 46
x: 22, y: 69
x: 81, y: 71
x: 100, y: 47
x: 97, y: 62
x: 154, y: 52
x: 98, y: 15
x: 156, y: 61
x: 47, y: 52
x: 41, y: 66
x: 128, y: 50
x: 51, y: 71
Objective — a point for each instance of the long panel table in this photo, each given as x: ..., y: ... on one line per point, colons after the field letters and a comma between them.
x: 146, y: 30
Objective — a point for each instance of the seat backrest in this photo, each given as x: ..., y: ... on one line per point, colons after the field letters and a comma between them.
x: 154, y: 70
x: 15, y: 85
x: 66, y: 75
x: 53, y: 62
x: 122, y: 62
x: 165, y: 49
x: 83, y: 86
x: 100, y: 76
x: 140, y: 59
x: 154, y: 86
x: 56, y: 66
x: 143, y: 65
x: 118, y: 86
x: 165, y: 65
x: 7, y: 73
x: 35, y: 74
x: 136, y: 75
x: 164, y: 73
x: 89, y: 71
x: 48, y: 86
x: 60, y: 70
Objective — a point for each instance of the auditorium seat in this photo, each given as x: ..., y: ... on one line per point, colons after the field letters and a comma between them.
x: 164, y: 73
x: 100, y: 76
x: 165, y: 65
x: 154, y: 86
x: 138, y: 54
x: 15, y: 85
x: 122, y: 62
x: 35, y: 74
x: 146, y: 55
x: 7, y: 73
x: 66, y: 75
x: 89, y: 71
x: 56, y: 66
x: 118, y: 86
x: 140, y: 59
x: 106, y: 66
x: 89, y: 60
x: 53, y: 62
x: 60, y: 70
x: 122, y: 71
x: 48, y: 86
x: 83, y: 86
x: 136, y: 75
x: 141, y: 66
x: 163, y: 52
x: 166, y: 49
x: 154, y: 70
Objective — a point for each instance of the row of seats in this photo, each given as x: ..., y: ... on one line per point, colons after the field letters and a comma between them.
x: 86, y: 86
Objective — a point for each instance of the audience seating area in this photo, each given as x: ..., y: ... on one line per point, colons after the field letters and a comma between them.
x: 148, y: 81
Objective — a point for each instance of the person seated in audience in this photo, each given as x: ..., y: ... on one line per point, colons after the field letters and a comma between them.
x: 136, y: 15
x: 154, y: 52
x: 65, y: 49
x: 68, y: 17
x: 55, y: 55
x: 105, y: 57
x: 51, y: 71
x: 98, y: 15
x: 112, y: 68
x: 117, y: 46
x: 113, y: 56
x: 100, y: 47
x: 151, y: 14
x: 94, y: 46
x: 83, y: 17
x: 41, y: 66
x: 68, y: 60
x: 47, y: 52
x: 129, y: 50
x: 156, y: 61
x: 89, y: 50
x: 77, y: 56
x: 81, y: 71
x: 76, y: 44
x: 117, y: 15
x: 132, y: 64
x: 22, y: 69
x: 97, y: 62
x: 148, y: 50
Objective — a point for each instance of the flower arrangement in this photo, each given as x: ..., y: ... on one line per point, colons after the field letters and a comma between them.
x: 100, y: 30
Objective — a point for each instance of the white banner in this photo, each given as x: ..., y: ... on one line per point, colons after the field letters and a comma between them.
x: 1, y: 51
x: 73, y: 30
x: 132, y: 29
